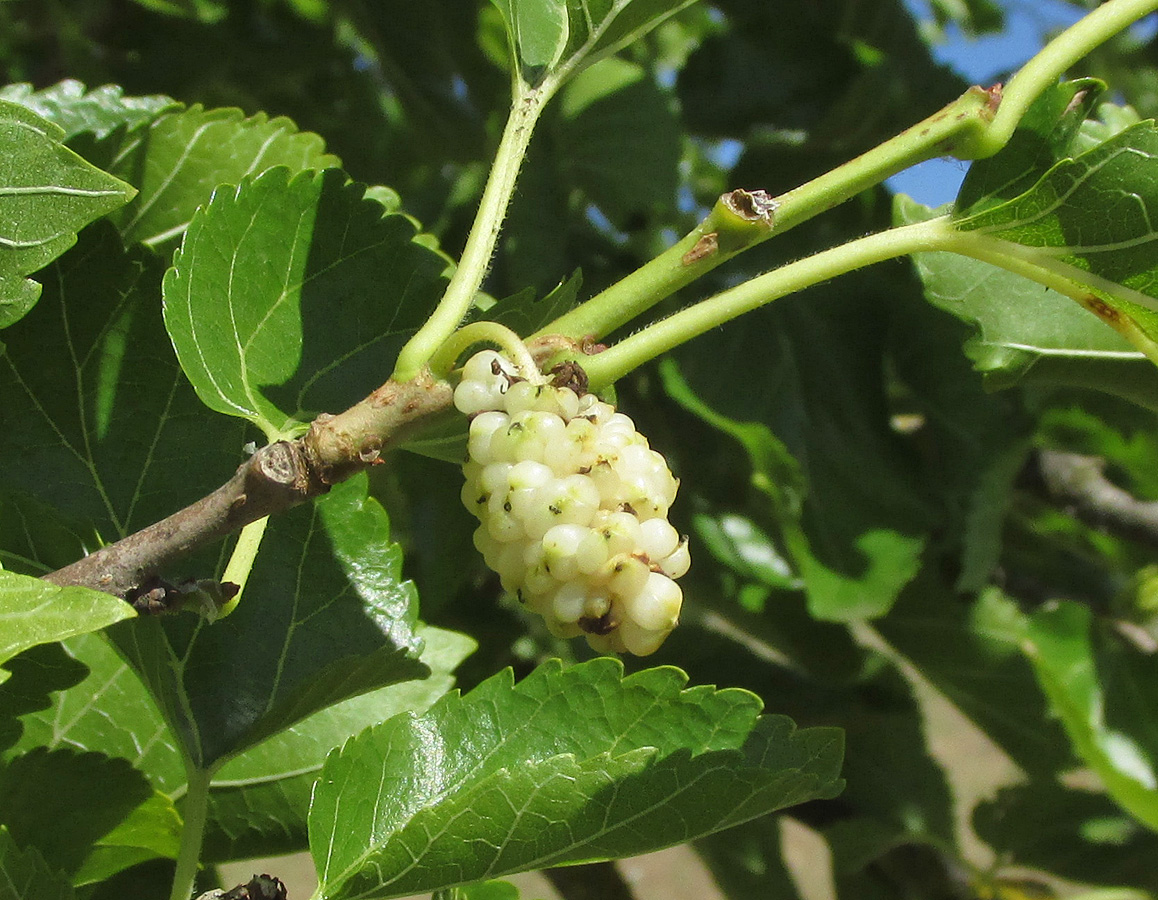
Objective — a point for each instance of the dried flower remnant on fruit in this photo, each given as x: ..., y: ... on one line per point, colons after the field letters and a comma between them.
x: 572, y: 505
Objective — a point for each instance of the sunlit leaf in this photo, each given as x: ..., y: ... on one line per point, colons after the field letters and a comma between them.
x: 567, y: 766
x: 291, y: 296
x: 178, y: 161
x: 76, y: 110
x: 47, y: 194
x: 1103, y: 689
x: 37, y: 612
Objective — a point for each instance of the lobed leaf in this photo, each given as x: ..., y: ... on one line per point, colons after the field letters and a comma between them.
x: 291, y: 295
x: 37, y: 612
x: 180, y: 159
x: 47, y: 194
x: 567, y: 766
x: 326, y: 615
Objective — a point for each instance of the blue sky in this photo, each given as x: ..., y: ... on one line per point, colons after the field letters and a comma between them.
x: 983, y: 60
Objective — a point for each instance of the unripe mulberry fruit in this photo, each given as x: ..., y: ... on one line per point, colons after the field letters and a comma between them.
x: 572, y: 506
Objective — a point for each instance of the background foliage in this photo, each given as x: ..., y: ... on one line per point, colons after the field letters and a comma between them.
x: 873, y: 537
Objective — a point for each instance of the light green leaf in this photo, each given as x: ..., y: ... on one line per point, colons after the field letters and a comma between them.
x: 291, y: 296
x: 36, y: 612
x: 77, y: 110
x: 47, y: 194
x: 125, y: 821
x: 553, y: 39
x: 1104, y: 691
x: 567, y: 766
x: 24, y: 874
x: 36, y: 677
x: 1025, y: 331
x: 326, y: 616
x: 178, y: 161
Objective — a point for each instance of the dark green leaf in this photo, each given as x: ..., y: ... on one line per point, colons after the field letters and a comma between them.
x: 525, y: 314
x: 326, y: 616
x: 567, y: 766
x: 24, y: 874
x: 178, y: 161
x: 99, y: 422
x: 1085, y: 837
x: 77, y: 110
x: 291, y: 296
x: 36, y: 612
x: 1104, y: 691
x: 125, y: 820
x: 970, y: 650
x: 854, y: 541
x: 47, y: 194
x: 36, y: 538
x: 259, y: 800
x: 619, y: 139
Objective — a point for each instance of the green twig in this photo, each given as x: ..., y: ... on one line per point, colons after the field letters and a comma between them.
x: 483, y: 332
x: 1056, y: 58
x: 976, y: 125
x: 195, y: 810
x: 480, y: 243
x: 935, y: 234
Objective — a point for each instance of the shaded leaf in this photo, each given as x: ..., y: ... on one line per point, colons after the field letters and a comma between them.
x: 99, y: 422
x: 77, y: 110
x: 619, y: 139
x: 124, y: 822
x: 79, y: 719
x: 291, y: 296
x: 36, y: 538
x: 325, y: 616
x: 36, y: 612
x: 25, y: 874
x: 35, y: 676
x: 47, y: 194
x: 1084, y: 838
x: 178, y: 161
x: 1104, y: 691
x: 259, y: 800
x: 567, y: 766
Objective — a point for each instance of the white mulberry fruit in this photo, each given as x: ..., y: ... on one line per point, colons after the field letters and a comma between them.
x: 572, y: 506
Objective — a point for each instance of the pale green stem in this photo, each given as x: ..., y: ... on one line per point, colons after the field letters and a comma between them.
x: 974, y: 126
x: 630, y: 353
x: 195, y: 810
x: 241, y: 561
x: 480, y: 243
x: 479, y: 332
x: 936, y: 234
x: 1057, y: 57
